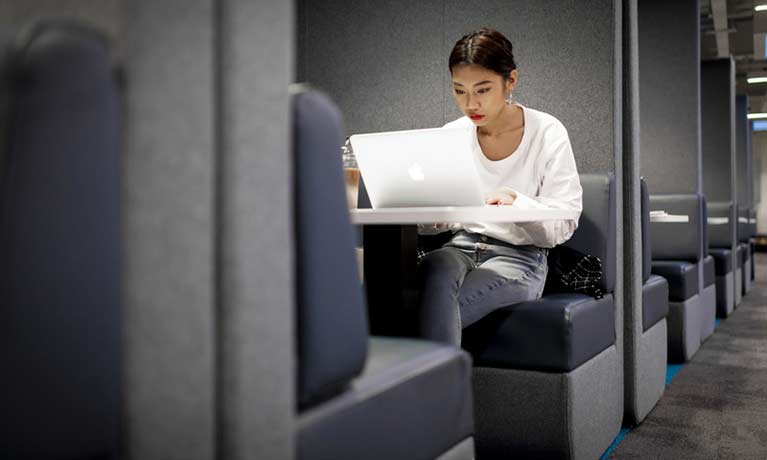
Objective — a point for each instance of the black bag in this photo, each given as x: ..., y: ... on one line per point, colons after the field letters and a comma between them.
x: 573, y: 271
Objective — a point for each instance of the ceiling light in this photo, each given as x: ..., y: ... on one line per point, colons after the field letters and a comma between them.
x: 753, y: 80
x: 757, y: 115
x: 760, y: 8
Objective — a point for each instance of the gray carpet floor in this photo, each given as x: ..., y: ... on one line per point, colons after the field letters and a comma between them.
x: 716, y: 407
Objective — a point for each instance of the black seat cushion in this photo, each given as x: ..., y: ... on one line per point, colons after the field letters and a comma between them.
x: 722, y: 260
x: 413, y: 400
x: 654, y: 301
x: 742, y: 249
x: 709, y: 271
x: 682, y: 278
x: 556, y: 333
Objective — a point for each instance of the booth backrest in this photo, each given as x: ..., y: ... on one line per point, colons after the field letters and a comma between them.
x: 60, y: 244
x: 597, y: 227
x: 332, y: 319
x: 646, y: 238
x: 678, y: 240
x: 744, y: 224
x: 719, y: 231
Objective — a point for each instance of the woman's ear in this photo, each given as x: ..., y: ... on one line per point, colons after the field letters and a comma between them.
x: 511, y: 82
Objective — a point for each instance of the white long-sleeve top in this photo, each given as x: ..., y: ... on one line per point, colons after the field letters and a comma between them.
x: 542, y: 174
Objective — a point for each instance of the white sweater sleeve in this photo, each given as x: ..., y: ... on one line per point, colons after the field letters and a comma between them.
x: 560, y: 189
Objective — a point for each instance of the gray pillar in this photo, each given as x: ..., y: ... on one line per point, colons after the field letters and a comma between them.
x: 718, y: 113
x: 169, y: 225
x: 743, y: 158
x: 669, y: 76
x: 255, y: 240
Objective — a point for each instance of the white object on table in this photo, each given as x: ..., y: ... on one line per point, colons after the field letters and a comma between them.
x: 669, y: 218
x: 718, y: 220
x: 430, y: 215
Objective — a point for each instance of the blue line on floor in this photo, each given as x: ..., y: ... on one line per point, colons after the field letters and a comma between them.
x: 717, y: 321
x: 615, y: 443
x: 671, y: 371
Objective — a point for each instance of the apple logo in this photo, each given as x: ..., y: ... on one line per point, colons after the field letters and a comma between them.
x: 416, y: 172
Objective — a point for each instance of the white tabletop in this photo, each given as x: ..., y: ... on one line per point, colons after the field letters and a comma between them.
x: 496, y: 214
x: 718, y: 220
x: 670, y: 218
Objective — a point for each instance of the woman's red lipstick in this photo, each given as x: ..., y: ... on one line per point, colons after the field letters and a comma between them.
x: 476, y: 117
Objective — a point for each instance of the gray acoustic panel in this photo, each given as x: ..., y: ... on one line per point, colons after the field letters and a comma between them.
x: 743, y: 162
x: 669, y: 76
x: 106, y: 15
x: 382, y: 63
x: 168, y: 229
x: 717, y: 111
x: 565, y: 55
x: 255, y: 291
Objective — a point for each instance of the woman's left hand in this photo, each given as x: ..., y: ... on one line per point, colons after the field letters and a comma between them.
x: 501, y: 198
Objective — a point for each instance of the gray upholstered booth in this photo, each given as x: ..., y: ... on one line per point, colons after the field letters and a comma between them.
x: 60, y: 240
x: 751, y: 242
x: 744, y: 248
x: 645, y: 359
x: 707, y: 277
x: 547, y: 373
x: 721, y: 218
x: 359, y: 397
x: 677, y: 252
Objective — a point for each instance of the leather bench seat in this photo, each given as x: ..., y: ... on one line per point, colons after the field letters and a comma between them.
x: 654, y: 301
x: 413, y: 400
x: 709, y: 271
x: 682, y: 278
x: 742, y: 249
x: 556, y: 333
x: 722, y: 260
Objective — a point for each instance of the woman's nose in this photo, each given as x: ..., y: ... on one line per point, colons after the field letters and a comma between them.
x: 472, y: 103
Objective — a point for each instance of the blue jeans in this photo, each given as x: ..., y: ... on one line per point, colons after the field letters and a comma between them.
x: 471, y: 276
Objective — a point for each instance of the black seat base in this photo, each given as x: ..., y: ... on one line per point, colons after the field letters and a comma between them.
x: 556, y: 333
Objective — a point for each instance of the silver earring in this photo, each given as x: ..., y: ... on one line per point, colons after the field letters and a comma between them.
x: 509, y: 98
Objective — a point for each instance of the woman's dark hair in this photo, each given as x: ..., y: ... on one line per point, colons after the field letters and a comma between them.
x: 487, y: 48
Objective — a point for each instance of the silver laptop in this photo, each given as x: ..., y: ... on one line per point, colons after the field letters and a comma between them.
x: 423, y: 167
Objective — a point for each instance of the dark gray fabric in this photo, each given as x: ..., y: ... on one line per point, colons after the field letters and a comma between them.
x: 682, y: 278
x: 60, y: 323
x: 596, y: 233
x: 684, y: 327
x: 725, y: 294
x: 744, y: 227
x: 332, y: 320
x: 709, y: 271
x: 413, y: 401
x: 654, y: 301
x: 720, y: 235
x: 555, y: 334
x: 722, y: 261
x: 542, y: 415
x: 752, y: 249
x: 674, y: 240
x: 646, y: 237
x: 742, y: 251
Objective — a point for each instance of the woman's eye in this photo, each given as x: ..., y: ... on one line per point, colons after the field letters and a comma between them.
x: 483, y: 90
x: 458, y: 91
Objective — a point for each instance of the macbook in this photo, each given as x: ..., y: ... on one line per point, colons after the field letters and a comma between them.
x: 415, y: 168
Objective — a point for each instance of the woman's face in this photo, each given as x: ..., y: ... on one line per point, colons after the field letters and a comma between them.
x: 481, y: 93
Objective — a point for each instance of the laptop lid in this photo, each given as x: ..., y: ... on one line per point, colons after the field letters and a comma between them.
x: 415, y: 168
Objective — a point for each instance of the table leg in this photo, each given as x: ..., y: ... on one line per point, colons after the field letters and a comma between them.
x: 390, y: 279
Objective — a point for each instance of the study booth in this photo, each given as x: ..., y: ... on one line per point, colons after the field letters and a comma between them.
x: 554, y: 364
x: 669, y: 82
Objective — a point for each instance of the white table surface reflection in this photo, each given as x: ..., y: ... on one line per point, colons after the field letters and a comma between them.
x: 428, y: 215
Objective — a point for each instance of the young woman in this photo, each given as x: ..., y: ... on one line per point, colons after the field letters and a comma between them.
x: 525, y: 160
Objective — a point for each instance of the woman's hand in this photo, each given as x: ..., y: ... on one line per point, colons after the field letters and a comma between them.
x: 501, y: 198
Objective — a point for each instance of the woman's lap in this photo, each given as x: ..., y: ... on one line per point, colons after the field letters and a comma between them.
x: 476, y: 278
